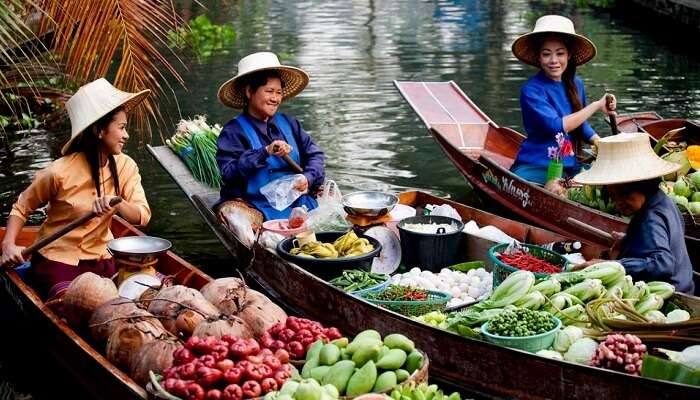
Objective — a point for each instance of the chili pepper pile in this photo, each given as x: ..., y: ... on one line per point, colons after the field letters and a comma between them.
x: 399, y: 293
x: 353, y: 280
x: 230, y: 368
x: 528, y: 262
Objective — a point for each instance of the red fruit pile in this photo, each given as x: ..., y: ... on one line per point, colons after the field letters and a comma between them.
x: 620, y: 353
x: 229, y: 369
x: 296, y: 335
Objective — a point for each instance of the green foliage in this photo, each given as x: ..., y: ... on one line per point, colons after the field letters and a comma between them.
x: 204, y: 37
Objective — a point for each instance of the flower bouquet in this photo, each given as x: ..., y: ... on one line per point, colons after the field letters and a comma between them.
x: 556, y: 154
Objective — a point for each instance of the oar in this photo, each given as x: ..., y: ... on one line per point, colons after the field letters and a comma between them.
x: 295, y: 167
x: 613, y: 118
x: 78, y: 222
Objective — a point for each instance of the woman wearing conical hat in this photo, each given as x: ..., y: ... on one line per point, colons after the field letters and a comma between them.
x: 554, y: 100
x: 91, y: 171
x: 251, y: 146
x: 654, y: 247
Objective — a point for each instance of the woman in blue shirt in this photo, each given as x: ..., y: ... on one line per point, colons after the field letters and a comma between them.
x: 251, y: 146
x: 554, y: 100
x: 653, y: 248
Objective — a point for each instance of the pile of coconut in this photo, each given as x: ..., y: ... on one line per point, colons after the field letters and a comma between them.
x: 141, y: 335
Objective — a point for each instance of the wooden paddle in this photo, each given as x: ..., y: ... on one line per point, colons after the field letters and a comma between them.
x: 59, y: 233
x: 295, y: 167
x: 613, y: 115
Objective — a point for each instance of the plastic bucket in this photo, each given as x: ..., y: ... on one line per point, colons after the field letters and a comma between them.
x: 431, y: 251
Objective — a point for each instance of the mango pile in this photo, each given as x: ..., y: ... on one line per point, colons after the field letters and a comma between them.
x: 306, y: 389
x: 368, y: 364
x: 348, y: 245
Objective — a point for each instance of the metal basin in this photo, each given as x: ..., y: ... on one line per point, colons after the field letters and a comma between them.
x: 139, y: 246
x: 369, y: 203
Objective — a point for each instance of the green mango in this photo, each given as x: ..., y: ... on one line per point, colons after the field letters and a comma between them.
x: 414, y: 361
x: 363, y: 380
x: 331, y: 390
x: 289, y: 387
x: 402, y: 375
x: 339, y: 375
x: 392, y: 360
x: 364, y: 354
x: 385, y: 381
x: 362, y: 342
x: 329, y: 355
x: 341, y: 343
x: 369, y: 333
x: 307, y: 391
x: 319, y: 372
x: 399, y: 341
x: 314, y: 350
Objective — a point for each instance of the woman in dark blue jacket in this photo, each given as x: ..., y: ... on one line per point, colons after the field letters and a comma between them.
x: 554, y: 100
x: 251, y: 146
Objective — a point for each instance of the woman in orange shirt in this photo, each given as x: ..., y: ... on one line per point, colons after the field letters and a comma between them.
x: 91, y: 172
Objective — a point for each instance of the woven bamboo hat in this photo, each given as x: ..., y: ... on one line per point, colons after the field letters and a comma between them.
x: 95, y: 100
x: 526, y: 49
x: 624, y: 158
x: 294, y: 79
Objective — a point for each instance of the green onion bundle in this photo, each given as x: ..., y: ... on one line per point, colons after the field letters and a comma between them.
x: 195, y: 142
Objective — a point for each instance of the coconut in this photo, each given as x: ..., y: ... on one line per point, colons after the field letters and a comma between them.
x: 225, y: 293
x: 151, y: 292
x: 260, y: 313
x: 126, y: 340
x: 156, y: 356
x: 232, y: 326
x: 171, y: 301
x: 188, y: 320
x: 109, y: 313
x: 84, y: 294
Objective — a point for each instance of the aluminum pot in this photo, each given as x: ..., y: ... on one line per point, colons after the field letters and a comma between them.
x: 369, y: 203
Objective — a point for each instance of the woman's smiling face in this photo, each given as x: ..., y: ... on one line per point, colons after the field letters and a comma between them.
x: 554, y: 57
x: 265, y: 101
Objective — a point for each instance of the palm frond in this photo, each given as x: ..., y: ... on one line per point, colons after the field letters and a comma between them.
x: 91, y: 36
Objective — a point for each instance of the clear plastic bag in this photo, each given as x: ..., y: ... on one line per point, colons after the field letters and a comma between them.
x: 444, y: 210
x: 329, y: 215
x: 239, y: 222
x: 280, y: 193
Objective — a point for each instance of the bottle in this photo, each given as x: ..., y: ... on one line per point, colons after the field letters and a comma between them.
x: 563, y: 247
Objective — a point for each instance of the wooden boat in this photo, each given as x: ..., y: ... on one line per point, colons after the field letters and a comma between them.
x: 484, y: 152
x: 63, y: 345
x: 474, y: 366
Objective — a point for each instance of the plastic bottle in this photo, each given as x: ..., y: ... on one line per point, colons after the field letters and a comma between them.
x: 563, y: 247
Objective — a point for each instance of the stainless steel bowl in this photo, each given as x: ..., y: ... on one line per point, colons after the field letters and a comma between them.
x: 369, y: 203
x: 139, y: 246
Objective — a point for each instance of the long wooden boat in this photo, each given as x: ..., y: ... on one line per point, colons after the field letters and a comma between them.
x: 472, y: 365
x: 484, y: 152
x: 30, y: 317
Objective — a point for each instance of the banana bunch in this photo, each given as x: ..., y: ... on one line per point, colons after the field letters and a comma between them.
x: 348, y: 245
x: 316, y: 250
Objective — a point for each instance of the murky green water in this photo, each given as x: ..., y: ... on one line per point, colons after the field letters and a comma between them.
x: 372, y: 139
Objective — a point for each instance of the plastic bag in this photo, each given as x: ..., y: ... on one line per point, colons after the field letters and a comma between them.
x: 239, y: 222
x: 444, y: 210
x: 280, y: 193
x: 270, y: 239
x: 329, y: 215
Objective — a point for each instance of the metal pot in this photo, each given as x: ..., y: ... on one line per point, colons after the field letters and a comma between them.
x: 369, y: 203
x: 137, y: 254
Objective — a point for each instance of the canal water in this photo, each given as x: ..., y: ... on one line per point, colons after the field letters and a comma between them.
x: 353, y: 52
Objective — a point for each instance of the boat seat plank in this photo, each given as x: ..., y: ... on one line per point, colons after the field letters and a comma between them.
x: 182, y: 176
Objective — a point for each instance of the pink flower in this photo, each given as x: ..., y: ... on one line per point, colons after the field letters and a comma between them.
x: 560, y: 139
x: 552, y: 152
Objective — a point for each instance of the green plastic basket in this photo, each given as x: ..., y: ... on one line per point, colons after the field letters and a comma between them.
x: 502, y: 270
x: 528, y: 343
x: 436, y: 302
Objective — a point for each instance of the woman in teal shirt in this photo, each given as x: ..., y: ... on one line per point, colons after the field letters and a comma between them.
x: 554, y: 100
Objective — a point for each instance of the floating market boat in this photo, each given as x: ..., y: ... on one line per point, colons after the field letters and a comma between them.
x: 97, y: 375
x: 484, y: 152
x: 472, y: 365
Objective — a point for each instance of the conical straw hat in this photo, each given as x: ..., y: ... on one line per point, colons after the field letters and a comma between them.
x: 294, y: 79
x: 95, y: 100
x: 525, y: 48
x: 623, y: 158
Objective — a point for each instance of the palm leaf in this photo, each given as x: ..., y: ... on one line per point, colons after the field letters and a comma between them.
x: 95, y: 37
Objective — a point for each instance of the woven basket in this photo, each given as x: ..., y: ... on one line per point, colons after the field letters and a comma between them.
x: 436, y: 302
x: 532, y: 344
x: 502, y: 270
